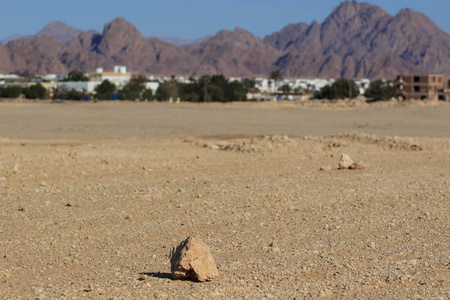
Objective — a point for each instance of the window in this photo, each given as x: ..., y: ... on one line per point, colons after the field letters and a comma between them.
x: 416, y: 79
x: 416, y: 88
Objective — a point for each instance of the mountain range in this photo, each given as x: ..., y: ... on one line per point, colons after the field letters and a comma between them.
x: 357, y: 40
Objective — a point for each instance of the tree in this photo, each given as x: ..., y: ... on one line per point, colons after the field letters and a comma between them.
x: 128, y: 94
x: 249, y: 84
x: 138, y: 82
x: 340, y: 89
x: 286, y: 89
x: 147, y: 94
x: 235, y: 91
x: 167, y: 90
x: 275, y: 76
x: 62, y: 93
x: 212, y: 88
x: 35, y: 91
x: 380, y: 89
x: 191, y: 91
x: 74, y: 95
x: 134, y: 88
x: 204, y: 81
x: 76, y: 75
x: 299, y: 90
x: 105, y: 90
x: 10, y: 91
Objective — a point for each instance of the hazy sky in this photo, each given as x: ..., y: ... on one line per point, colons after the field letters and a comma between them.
x: 190, y: 18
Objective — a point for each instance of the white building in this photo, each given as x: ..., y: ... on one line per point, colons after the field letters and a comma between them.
x: 119, y: 77
x: 79, y: 86
x: 152, y: 86
x: 49, y: 77
x: 265, y: 85
x: 363, y: 85
x: 9, y: 76
x: 120, y: 69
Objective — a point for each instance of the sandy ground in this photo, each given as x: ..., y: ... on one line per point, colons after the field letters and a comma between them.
x: 94, y: 196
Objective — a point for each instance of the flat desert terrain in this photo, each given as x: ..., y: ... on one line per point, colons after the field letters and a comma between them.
x: 93, y: 196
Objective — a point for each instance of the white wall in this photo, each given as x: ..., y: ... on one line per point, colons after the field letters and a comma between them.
x: 80, y: 86
x: 118, y: 80
x: 152, y: 86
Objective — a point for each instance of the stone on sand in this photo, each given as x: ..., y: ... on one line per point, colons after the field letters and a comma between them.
x: 193, y: 260
x: 345, y: 162
x: 358, y: 166
x: 189, y: 139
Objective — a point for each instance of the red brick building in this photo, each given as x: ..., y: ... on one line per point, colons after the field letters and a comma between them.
x: 419, y: 87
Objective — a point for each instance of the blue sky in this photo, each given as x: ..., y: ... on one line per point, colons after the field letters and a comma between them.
x: 190, y: 18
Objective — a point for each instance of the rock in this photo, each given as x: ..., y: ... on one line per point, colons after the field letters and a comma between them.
x: 357, y: 166
x: 325, y: 168
x: 189, y: 139
x: 192, y: 260
x: 345, y: 162
x: 274, y: 247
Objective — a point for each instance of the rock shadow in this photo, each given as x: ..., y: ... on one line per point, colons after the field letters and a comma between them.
x: 158, y: 275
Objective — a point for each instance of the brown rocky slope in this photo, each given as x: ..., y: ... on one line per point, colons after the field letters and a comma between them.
x: 409, y: 40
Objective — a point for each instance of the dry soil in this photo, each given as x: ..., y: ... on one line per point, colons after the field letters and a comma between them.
x: 94, y: 196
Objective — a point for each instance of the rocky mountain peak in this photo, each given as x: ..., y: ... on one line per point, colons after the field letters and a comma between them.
x: 119, y: 35
x: 60, y: 31
x: 413, y: 17
x: 242, y: 33
x: 120, y: 26
x: 345, y: 11
x: 237, y: 34
x: 407, y: 13
x: 349, y: 11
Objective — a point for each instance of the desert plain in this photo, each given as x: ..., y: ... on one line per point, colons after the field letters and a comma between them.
x: 93, y: 196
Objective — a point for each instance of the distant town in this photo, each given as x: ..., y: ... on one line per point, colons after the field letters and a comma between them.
x: 119, y: 84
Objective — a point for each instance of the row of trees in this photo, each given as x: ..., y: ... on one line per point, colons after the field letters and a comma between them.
x: 204, y: 89
x: 380, y: 89
x: 32, y: 92
x: 76, y: 75
x: 215, y: 88
x: 347, y: 88
x: 219, y: 88
x: 134, y: 89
